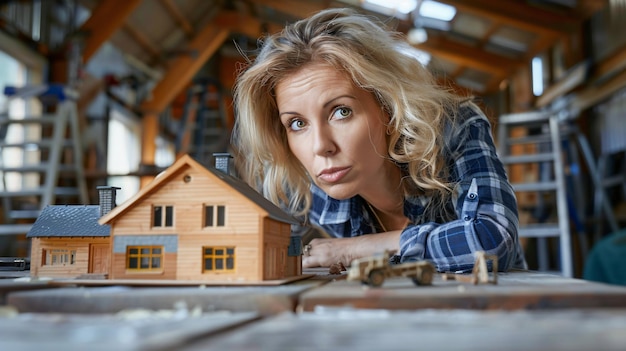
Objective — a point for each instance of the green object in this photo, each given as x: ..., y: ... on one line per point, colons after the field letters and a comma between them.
x: 607, y: 260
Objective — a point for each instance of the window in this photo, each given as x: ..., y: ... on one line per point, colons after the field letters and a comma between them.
x: 59, y: 257
x: 144, y: 258
x: 538, y: 75
x: 162, y: 216
x: 123, y: 149
x: 218, y: 259
x: 214, y: 216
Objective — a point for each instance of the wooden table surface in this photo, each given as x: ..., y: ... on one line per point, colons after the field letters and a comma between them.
x: 525, y: 310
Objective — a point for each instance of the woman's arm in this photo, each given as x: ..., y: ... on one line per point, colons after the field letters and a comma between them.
x: 486, y: 208
x: 324, y: 252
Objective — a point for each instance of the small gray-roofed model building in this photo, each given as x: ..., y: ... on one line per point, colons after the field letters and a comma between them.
x: 67, y: 240
x: 69, y: 221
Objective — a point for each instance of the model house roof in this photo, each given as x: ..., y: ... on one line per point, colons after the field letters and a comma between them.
x: 234, y: 183
x: 69, y: 221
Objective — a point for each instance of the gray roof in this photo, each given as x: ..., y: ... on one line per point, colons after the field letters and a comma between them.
x: 242, y: 187
x: 69, y: 221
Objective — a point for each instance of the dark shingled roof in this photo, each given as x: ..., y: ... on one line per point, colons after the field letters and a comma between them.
x: 69, y: 220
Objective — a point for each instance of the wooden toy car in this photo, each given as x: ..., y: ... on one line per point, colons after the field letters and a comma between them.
x: 374, y: 270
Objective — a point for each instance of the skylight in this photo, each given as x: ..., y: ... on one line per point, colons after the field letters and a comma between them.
x: 401, y: 6
x: 437, y: 10
x: 427, y: 8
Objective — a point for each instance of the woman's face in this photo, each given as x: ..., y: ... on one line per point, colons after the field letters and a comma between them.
x: 335, y: 129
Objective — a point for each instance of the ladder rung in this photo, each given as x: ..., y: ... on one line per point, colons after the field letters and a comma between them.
x: 539, y: 231
x: 613, y: 180
x: 39, y: 168
x: 24, y: 214
x: 535, y: 186
x: 14, y: 229
x: 529, y: 139
x: 44, y: 119
x: 524, y: 117
x: 44, y: 143
x: 530, y: 158
x: 59, y: 191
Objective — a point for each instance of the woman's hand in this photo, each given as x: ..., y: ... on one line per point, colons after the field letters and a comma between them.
x: 325, y: 252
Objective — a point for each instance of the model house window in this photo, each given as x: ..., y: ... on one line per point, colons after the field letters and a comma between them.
x: 144, y: 257
x: 214, y: 216
x: 162, y: 216
x: 218, y: 258
x: 59, y: 257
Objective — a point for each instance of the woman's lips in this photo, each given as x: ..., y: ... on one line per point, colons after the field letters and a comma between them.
x: 333, y: 175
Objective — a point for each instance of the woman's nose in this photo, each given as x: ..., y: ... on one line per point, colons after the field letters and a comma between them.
x: 323, y: 142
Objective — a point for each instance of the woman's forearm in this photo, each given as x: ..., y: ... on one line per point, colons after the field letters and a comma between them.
x: 324, y: 252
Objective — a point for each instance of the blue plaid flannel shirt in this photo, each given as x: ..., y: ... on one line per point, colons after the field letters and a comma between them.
x: 485, y: 206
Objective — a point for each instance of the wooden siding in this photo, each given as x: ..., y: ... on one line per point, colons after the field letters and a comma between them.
x: 276, y: 244
x: 81, y: 265
x: 119, y: 271
x: 188, y: 199
x: 246, y: 229
x: 190, y: 257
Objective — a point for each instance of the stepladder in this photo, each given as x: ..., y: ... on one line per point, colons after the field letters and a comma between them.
x: 532, y: 142
x: 41, y: 160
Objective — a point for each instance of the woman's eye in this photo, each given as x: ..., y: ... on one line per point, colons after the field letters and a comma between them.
x: 296, y: 124
x: 342, y: 112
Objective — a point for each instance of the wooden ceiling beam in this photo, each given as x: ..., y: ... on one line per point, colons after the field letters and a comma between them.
x: 299, y: 9
x: 105, y: 19
x: 519, y: 15
x: 244, y: 24
x: 142, y: 40
x: 182, y: 21
x: 206, y: 42
x: 470, y: 56
x: 184, y: 67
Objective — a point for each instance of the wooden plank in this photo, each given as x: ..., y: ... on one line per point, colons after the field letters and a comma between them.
x: 112, y: 299
x: 128, y: 330
x: 593, y: 94
x: 140, y: 282
x: 514, y: 291
x: 18, y: 281
x: 350, y: 329
x: 573, y: 79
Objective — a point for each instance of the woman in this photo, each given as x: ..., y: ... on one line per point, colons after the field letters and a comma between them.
x: 336, y: 124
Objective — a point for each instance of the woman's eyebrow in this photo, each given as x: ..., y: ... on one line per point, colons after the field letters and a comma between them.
x: 337, y: 98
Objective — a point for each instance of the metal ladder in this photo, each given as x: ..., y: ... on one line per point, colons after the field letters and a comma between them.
x: 549, y: 158
x: 203, y: 129
x: 54, y: 153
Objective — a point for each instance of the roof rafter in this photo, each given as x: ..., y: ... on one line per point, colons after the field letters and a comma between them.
x: 244, y: 24
x: 182, y: 21
x: 105, y: 19
x: 470, y: 56
x: 519, y: 15
x: 205, y: 44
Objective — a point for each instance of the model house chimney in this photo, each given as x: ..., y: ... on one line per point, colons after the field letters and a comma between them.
x: 107, y: 198
x: 222, y: 161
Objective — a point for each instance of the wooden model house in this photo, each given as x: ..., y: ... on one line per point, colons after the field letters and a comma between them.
x: 67, y: 241
x: 190, y: 223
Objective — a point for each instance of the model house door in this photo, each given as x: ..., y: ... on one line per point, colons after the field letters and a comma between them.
x: 99, y: 258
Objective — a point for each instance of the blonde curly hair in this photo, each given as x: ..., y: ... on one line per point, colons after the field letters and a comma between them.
x: 372, y: 56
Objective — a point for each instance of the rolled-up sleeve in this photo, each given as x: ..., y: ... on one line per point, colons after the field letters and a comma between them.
x: 485, y: 206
